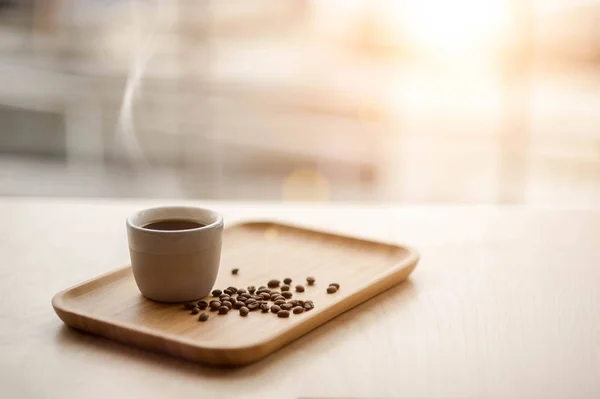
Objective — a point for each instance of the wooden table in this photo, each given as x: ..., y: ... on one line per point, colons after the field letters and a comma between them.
x: 504, y: 303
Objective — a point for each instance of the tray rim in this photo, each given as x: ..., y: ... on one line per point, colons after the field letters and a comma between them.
x: 65, y: 311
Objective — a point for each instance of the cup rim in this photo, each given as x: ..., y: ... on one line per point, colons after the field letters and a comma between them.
x: 218, y: 219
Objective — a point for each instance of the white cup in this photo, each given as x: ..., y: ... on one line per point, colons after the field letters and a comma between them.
x: 175, y: 265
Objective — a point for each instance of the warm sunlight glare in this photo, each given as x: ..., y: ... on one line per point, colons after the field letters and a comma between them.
x: 442, y: 27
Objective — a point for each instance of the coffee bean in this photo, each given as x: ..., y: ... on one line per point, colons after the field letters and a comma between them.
x: 241, y: 291
x: 244, y: 311
x: 214, y: 305
x: 285, y: 288
x: 287, y: 280
x: 189, y: 305
x: 265, y: 296
x: 275, y: 309
x: 203, y: 317
x: 251, y: 289
x: 264, y: 307
x: 223, y: 310
x: 257, y: 297
x: 229, y: 291
x: 273, y: 283
x: 238, y: 304
x: 299, y: 288
x: 279, y: 302
x: 235, y: 271
x: 196, y: 310
x: 283, y: 314
x: 216, y: 292
x: 228, y: 304
x: 246, y: 295
x: 286, y: 306
x: 336, y: 285
x: 250, y: 300
x: 262, y: 291
x: 287, y: 294
x: 331, y: 289
x: 310, y: 280
x: 298, y: 309
x: 294, y: 302
x: 202, y: 305
x: 300, y: 302
x: 224, y: 297
x: 253, y: 306
x: 308, y: 307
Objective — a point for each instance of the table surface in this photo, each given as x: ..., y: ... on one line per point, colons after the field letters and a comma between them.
x: 504, y: 303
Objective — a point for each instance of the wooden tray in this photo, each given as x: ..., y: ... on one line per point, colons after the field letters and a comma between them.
x: 111, y: 305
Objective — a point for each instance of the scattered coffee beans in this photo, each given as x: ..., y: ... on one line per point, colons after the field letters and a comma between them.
x: 223, y: 310
x: 331, y: 289
x: 273, y: 283
x: 252, y: 298
x: 336, y: 285
x: 298, y: 309
x: 265, y: 296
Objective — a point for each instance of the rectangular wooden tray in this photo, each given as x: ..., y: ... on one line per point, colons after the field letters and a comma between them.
x: 112, y: 306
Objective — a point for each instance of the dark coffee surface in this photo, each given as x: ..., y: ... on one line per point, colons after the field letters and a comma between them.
x: 173, y: 224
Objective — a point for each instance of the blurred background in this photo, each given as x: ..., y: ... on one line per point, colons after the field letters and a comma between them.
x: 410, y: 101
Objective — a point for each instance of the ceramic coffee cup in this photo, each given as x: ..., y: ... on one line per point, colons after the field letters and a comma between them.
x: 175, y: 265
